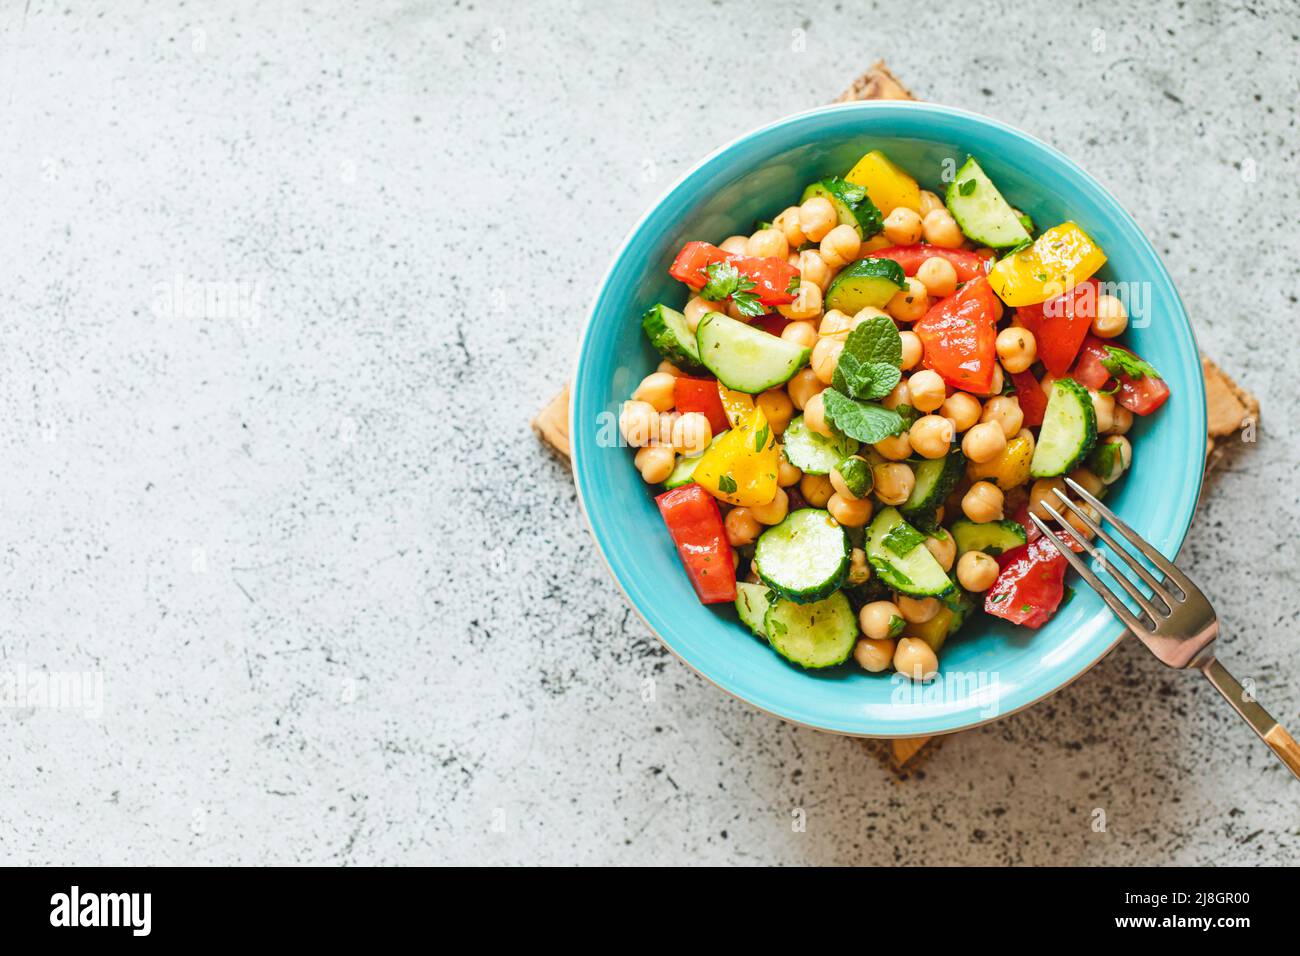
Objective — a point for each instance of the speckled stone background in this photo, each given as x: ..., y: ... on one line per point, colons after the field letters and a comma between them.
x: 344, y: 607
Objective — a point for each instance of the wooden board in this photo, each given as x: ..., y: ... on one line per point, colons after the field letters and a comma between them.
x: 1230, y: 409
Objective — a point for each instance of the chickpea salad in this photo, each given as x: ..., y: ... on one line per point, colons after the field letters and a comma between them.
x: 862, y: 402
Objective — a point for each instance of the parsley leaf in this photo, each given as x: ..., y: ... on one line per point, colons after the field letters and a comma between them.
x: 727, y: 485
x: 903, y: 540
x: 864, y: 421
x: 967, y: 187
x: 793, y: 287
x: 761, y: 437
x: 724, y: 281
x: 868, y: 366
x: 896, y: 625
x: 1119, y: 362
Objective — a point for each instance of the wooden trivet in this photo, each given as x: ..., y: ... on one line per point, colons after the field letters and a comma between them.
x: 1230, y: 409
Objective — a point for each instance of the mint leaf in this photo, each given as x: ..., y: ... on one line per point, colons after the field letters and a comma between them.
x: 896, y: 625
x: 727, y: 484
x: 864, y: 421
x: 1119, y: 362
x: 868, y: 366
x: 903, y: 540
x: 761, y: 437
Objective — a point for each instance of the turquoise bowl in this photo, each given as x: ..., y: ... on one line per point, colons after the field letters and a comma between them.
x: 990, y: 669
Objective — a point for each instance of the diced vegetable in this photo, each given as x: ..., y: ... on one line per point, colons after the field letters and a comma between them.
x: 1010, y: 467
x: 1141, y: 395
x: 815, y: 454
x: 967, y: 264
x: 853, y: 206
x: 888, y: 186
x: 741, y: 466
x: 1030, y: 586
x: 746, y: 358
x: 775, y: 280
x: 695, y: 523
x: 1060, y: 325
x: 668, y: 332
x: 738, y: 405
x: 751, y: 606
x: 813, y: 635
x: 1069, y: 430
x: 991, y: 537
x: 1059, y: 259
x: 684, y: 470
x: 1030, y: 395
x: 915, y: 571
x: 701, y: 395
x: 935, y: 479
x: 983, y: 215
x: 867, y: 282
x: 804, y: 558
x: 959, y: 335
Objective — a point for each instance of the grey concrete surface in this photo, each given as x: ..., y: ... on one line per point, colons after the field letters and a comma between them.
x: 287, y: 508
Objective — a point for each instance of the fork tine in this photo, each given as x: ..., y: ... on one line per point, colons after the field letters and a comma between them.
x: 1129, y: 587
x: 1166, y: 567
x: 1129, y: 561
x: 1115, y: 604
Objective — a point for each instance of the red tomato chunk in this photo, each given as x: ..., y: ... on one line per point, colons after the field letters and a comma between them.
x: 1141, y: 396
x: 701, y: 395
x: 1031, y: 585
x: 695, y: 524
x: 968, y: 265
x: 959, y: 334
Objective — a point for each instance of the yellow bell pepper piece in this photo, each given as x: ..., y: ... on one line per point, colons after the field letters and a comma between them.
x: 737, y: 405
x: 1010, y: 468
x: 878, y: 241
x: 934, y: 631
x: 1058, y: 260
x: 740, y: 467
x: 887, y: 185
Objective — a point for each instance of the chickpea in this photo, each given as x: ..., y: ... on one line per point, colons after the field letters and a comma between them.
x: 767, y: 244
x: 638, y: 422
x: 777, y: 409
x: 999, y: 381
x: 1121, y: 461
x: 773, y: 512
x: 983, y: 502
x: 1089, y: 482
x: 850, y: 512
x: 742, y: 527
x: 878, y: 619
x: 1005, y: 412
x: 944, y: 549
x: 914, y: 658
x: 984, y: 442
x: 976, y: 571
x: 1121, y: 420
x: 1077, y: 523
x: 1017, y: 348
x: 655, y: 462
x: 874, y: 656
x: 901, y: 395
x: 1111, y: 318
x: 807, y: 302
x: 927, y: 389
x: 825, y: 356
x: 787, y: 474
x: 909, y: 303
x: 803, y: 334
x: 917, y: 610
x: 736, y: 245
x: 814, y: 416
x: 1046, y: 383
x: 894, y: 482
x: 816, y: 490
x: 911, y: 349
x: 895, y: 447
x: 733, y: 310
x: 840, y: 246
x: 698, y: 308
x: 788, y: 223
x: 835, y: 324
x: 657, y: 388
x: 963, y: 409
x: 859, y: 569
x: 931, y: 436
x: 941, y: 230
x: 1044, y: 490
x: 938, y: 276
x: 1104, y: 406
x: 868, y: 312
x: 803, y: 386
x: 903, y: 226
x: 691, y: 434
x: 930, y: 202
x: 813, y: 269
x: 670, y: 368
x: 817, y: 217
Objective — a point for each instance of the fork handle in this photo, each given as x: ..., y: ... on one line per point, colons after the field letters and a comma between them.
x: 1261, y: 721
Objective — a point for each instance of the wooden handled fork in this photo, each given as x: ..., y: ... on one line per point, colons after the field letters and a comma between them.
x: 1183, y: 625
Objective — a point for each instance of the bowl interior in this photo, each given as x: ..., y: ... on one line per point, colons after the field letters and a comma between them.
x: 989, y: 668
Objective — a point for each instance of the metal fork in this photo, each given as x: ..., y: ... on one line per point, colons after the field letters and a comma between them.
x: 1183, y: 624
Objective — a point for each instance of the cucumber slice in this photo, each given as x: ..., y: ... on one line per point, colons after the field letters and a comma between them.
x: 984, y: 216
x: 915, y: 573
x: 852, y: 205
x: 668, y: 332
x: 805, y: 557
x: 935, y: 480
x: 991, y: 537
x: 745, y: 358
x: 867, y: 282
x: 815, y: 454
x: 751, y: 605
x: 857, y: 475
x: 1069, y: 430
x: 684, y: 470
x: 813, y: 635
